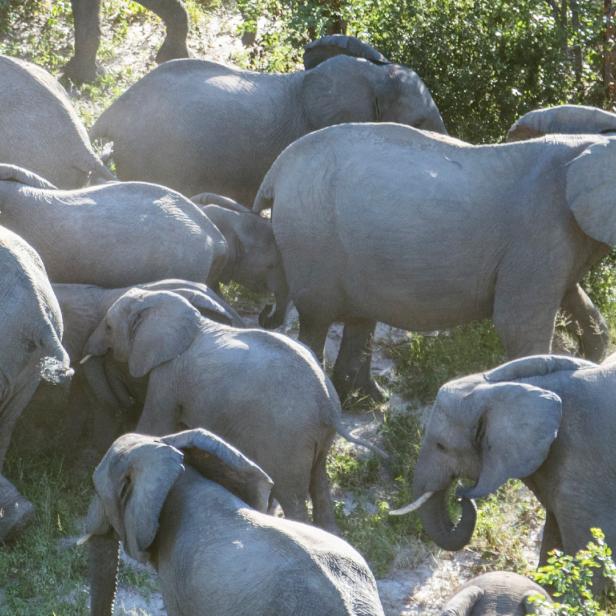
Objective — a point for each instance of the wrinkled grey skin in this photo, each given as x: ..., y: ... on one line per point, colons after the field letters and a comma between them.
x: 498, y: 593
x: 40, y: 130
x: 192, y: 506
x: 545, y: 419
x: 253, y: 259
x: 31, y: 333
x: 262, y: 391
x: 103, y: 398
x: 114, y: 235
x: 439, y: 233
x: 570, y: 119
x: 195, y: 125
x: 82, y: 66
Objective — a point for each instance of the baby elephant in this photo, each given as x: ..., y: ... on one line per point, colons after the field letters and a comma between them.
x: 191, y: 505
x: 545, y: 419
x: 263, y: 392
x: 499, y: 593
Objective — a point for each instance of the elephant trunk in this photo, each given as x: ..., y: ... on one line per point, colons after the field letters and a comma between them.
x: 434, y: 515
x: 272, y: 317
x: 103, y: 564
x: 55, y: 363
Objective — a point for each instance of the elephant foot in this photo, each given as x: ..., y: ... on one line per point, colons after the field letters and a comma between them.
x: 171, y: 51
x: 358, y: 394
x: 16, y: 512
x: 79, y: 72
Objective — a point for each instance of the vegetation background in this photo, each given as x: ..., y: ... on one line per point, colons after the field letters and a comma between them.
x: 486, y: 63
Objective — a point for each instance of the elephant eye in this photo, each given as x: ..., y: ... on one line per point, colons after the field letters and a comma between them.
x: 440, y: 446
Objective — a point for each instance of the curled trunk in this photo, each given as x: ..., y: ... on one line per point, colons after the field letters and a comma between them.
x: 435, y: 518
x: 103, y: 563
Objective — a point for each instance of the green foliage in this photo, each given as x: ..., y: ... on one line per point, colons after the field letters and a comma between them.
x: 486, y: 61
x: 571, y: 580
x: 428, y: 361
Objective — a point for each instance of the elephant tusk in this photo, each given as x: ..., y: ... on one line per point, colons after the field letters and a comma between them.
x: 85, y: 359
x: 84, y: 539
x: 412, y: 506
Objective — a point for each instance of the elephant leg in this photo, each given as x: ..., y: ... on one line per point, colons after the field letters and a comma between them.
x: 161, y: 412
x: 313, y: 333
x: 588, y: 324
x: 174, y: 16
x: 523, y: 318
x: 352, y: 369
x: 17, y: 511
x: 82, y: 66
x: 292, y: 501
x: 322, y: 504
x: 551, y: 538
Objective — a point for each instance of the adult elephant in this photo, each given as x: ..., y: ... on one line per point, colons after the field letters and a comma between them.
x: 40, y: 130
x: 569, y: 119
x: 195, y: 125
x: 546, y: 419
x: 82, y: 66
x: 31, y: 333
x: 114, y: 235
x: 421, y: 231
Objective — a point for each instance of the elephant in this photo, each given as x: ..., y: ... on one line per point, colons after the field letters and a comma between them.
x: 547, y: 420
x: 570, y: 119
x: 95, y: 417
x: 498, y: 593
x: 193, y: 506
x: 197, y: 126
x: 260, y: 390
x: 31, y: 333
x: 39, y: 128
x: 253, y: 259
x: 81, y: 68
x: 114, y: 235
x: 424, y: 232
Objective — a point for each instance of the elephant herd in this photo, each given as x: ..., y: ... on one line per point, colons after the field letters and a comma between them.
x: 109, y: 294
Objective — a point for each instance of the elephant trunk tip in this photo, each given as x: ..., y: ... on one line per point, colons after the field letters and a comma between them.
x: 55, y: 371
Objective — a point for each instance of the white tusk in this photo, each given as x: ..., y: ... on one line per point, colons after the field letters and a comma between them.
x: 413, y: 506
x: 84, y: 538
x: 85, y: 359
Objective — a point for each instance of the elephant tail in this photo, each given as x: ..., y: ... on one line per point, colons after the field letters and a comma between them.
x: 12, y: 173
x: 336, y: 420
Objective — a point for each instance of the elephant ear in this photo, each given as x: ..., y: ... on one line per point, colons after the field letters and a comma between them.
x: 335, y: 44
x: 152, y: 470
x: 339, y: 92
x: 463, y: 602
x: 515, y: 425
x: 591, y: 191
x: 161, y: 327
x: 206, y: 305
x: 12, y: 173
x: 225, y: 465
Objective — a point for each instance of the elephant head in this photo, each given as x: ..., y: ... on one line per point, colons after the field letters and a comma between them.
x: 349, y: 81
x: 570, y: 119
x: 487, y: 428
x: 132, y: 483
x: 253, y: 257
x: 145, y: 329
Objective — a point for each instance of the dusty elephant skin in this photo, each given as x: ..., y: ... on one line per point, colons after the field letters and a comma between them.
x: 192, y: 506
x: 569, y: 119
x: 40, y: 130
x: 113, y: 235
x: 262, y: 391
x: 499, y: 593
x: 439, y: 233
x: 103, y: 399
x: 195, y: 125
x: 545, y: 419
x: 31, y: 333
x: 82, y: 66
x: 253, y: 259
